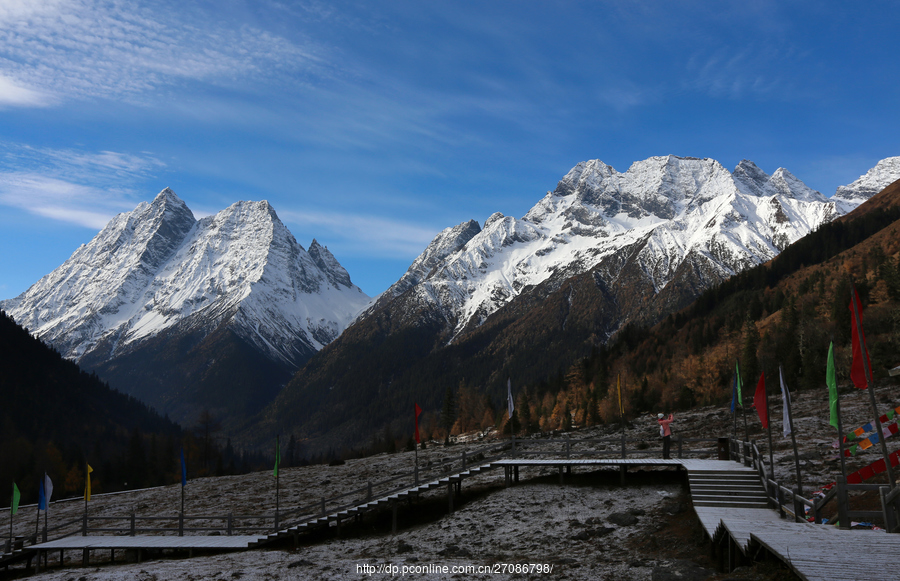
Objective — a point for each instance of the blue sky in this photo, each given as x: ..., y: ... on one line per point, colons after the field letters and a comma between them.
x: 371, y: 126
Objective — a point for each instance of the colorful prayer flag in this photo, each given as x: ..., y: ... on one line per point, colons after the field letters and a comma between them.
x: 619, y: 388
x: 418, y: 412
x: 733, y: 392
x: 831, y: 382
x: 509, y: 398
x: 277, y: 456
x: 48, y: 488
x: 759, y: 400
x: 16, y: 496
x: 42, y: 499
x: 785, y: 399
x: 87, y: 483
x: 740, y: 384
x: 860, y: 364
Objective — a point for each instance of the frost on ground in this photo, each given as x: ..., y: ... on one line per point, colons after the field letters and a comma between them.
x: 588, y: 528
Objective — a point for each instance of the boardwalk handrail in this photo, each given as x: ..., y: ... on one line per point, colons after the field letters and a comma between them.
x: 422, y: 472
x: 265, y: 523
x: 780, y: 496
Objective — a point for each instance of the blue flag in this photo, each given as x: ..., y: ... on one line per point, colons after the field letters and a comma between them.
x: 734, y: 393
x: 42, y: 498
x: 183, y: 470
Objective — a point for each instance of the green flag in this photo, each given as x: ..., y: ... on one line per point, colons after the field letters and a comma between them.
x: 737, y: 374
x: 14, y: 506
x: 277, y: 457
x: 831, y: 382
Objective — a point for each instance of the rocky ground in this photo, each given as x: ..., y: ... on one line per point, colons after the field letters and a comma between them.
x: 589, y: 528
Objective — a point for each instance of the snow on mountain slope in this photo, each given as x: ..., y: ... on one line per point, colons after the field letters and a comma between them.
x: 156, y: 267
x: 885, y: 172
x: 668, y: 209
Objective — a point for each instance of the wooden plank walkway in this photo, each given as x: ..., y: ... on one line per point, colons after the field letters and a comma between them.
x: 824, y: 553
x: 813, y: 552
x: 218, y: 542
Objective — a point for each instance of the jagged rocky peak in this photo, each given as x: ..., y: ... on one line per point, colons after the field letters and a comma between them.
x: 885, y: 172
x: 495, y: 217
x: 586, y: 176
x: 328, y: 264
x: 751, y: 177
x: 447, y: 242
x: 784, y: 183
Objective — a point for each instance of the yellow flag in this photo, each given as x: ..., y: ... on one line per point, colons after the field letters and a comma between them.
x: 87, y: 483
x: 619, y: 388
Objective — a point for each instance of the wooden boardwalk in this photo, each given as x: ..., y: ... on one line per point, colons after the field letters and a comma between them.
x: 740, y: 527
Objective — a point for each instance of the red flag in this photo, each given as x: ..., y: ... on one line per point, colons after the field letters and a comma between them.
x: 418, y: 411
x: 857, y: 371
x: 759, y: 400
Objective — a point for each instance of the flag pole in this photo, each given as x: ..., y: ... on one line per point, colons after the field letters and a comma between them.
x: 769, y: 430
x: 787, y: 395
x: 865, y: 363
x: 12, y: 502
x: 277, y: 480
x: 621, y: 411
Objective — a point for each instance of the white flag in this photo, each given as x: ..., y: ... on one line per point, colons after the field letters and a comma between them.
x: 509, y: 398
x: 48, y: 488
x: 785, y: 398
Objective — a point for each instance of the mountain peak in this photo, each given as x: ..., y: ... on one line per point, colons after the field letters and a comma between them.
x: 885, y: 172
x: 328, y: 264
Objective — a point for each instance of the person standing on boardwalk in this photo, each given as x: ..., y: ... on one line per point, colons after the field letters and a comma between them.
x: 665, y: 431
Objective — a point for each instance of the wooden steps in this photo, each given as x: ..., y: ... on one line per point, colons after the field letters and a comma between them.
x: 727, y: 489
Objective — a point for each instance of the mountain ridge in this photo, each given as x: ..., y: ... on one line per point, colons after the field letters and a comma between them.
x: 158, y: 271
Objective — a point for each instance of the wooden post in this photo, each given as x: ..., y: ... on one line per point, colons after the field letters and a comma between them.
x: 560, y: 474
x: 180, y: 524
x: 843, y: 505
x: 890, y: 514
x: 229, y: 526
x: 516, y: 474
x: 393, y: 517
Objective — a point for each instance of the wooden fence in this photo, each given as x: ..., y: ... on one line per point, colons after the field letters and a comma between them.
x: 229, y: 524
x: 781, y: 496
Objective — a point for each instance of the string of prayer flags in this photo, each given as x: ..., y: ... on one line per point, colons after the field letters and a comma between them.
x: 862, y: 430
x: 876, y: 467
x: 873, y: 439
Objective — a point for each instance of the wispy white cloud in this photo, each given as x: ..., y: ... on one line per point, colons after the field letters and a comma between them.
x: 60, y: 200
x: 75, y: 186
x: 364, y: 234
x: 84, y: 49
x: 12, y: 94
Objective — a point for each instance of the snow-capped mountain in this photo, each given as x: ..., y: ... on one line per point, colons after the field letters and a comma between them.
x: 157, y: 270
x: 663, y: 213
x: 885, y: 172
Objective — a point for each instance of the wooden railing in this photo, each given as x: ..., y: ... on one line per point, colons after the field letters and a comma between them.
x: 262, y: 524
x: 617, y: 446
x: 229, y: 524
x: 780, y: 496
